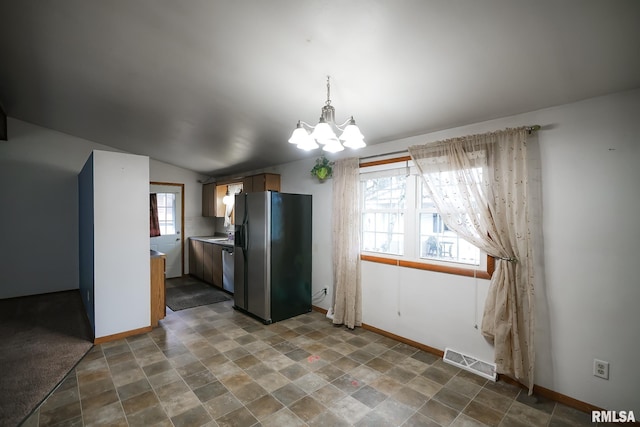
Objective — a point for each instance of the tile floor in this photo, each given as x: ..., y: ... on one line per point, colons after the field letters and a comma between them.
x: 213, y: 366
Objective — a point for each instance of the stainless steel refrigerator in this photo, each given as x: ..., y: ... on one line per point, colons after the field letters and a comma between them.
x: 272, y: 257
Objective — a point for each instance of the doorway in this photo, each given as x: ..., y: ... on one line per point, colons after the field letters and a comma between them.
x: 170, y: 198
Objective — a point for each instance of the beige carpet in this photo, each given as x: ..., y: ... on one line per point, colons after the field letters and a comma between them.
x: 42, y: 338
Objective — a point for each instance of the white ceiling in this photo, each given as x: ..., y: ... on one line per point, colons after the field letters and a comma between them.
x: 217, y: 86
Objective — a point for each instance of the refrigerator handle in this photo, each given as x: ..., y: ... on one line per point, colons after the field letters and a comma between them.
x: 245, y: 234
x: 242, y: 230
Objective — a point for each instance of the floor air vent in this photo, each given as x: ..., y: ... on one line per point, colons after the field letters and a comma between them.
x: 471, y: 364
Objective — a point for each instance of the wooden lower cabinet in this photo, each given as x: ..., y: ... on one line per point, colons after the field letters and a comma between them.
x: 216, y: 272
x: 158, y: 302
x: 196, y: 266
x: 205, y: 261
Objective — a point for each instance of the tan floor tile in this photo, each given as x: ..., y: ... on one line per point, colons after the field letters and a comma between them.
x: 328, y: 419
x: 249, y: 393
x: 236, y: 381
x: 140, y: 402
x: 328, y: 394
x: 528, y: 415
x: 179, y: 403
x: 452, y: 399
x: 264, y: 407
x: 439, y: 412
x: 410, y: 397
x: 464, y: 387
x: 99, y: 400
x: 493, y: 400
x: 167, y: 391
x: 164, y: 378
x: 128, y: 377
x: 111, y: 415
x: 310, y: 382
x: 196, y: 416
x: 425, y: 386
x: 350, y: 409
x: 386, y: 385
x: 283, y: 417
x: 60, y: 413
x: 240, y: 417
x: 307, y: 408
x: 95, y: 387
x: 482, y: 413
x: 222, y: 405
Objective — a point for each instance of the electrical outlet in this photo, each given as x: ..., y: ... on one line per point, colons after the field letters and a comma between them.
x: 601, y: 369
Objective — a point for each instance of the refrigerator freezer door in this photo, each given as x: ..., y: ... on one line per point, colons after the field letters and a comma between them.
x: 258, y: 254
x: 239, y: 255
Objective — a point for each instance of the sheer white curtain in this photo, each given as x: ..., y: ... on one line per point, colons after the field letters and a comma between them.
x: 346, y: 219
x: 479, y: 185
x: 232, y: 189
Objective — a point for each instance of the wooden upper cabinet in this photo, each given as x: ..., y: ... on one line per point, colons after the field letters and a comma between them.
x: 247, y: 184
x: 261, y: 182
x: 221, y: 191
x: 209, y: 199
x: 212, y: 194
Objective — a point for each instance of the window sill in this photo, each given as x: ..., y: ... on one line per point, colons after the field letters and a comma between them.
x: 468, y: 272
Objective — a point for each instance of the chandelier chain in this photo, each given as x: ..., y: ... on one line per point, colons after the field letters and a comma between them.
x: 328, y: 92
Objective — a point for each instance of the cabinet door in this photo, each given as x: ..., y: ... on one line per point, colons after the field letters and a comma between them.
x: 271, y: 182
x: 217, y: 265
x: 195, y: 258
x: 261, y: 182
x: 247, y: 184
x: 207, y: 262
x: 158, y: 308
x: 221, y: 191
x: 208, y: 200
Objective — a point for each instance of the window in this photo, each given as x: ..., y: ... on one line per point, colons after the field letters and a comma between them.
x: 167, y: 213
x: 437, y: 241
x: 400, y: 224
x: 384, y: 205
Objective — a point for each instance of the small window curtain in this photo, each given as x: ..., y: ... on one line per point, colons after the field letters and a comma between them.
x: 232, y: 189
x: 479, y: 185
x: 154, y: 224
x: 346, y: 220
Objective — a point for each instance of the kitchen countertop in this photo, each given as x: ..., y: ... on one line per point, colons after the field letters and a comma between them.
x: 216, y: 240
x: 156, y: 254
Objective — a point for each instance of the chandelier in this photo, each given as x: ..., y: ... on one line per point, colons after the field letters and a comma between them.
x: 324, y: 134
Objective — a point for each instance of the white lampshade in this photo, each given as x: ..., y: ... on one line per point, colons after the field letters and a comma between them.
x: 333, y: 145
x: 323, y: 133
x: 308, y: 143
x: 299, y: 135
x: 355, y: 143
x: 351, y: 132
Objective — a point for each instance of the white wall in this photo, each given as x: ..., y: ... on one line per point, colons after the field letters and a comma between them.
x: 588, y: 290
x: 39, y: 215
x: 122, y: 291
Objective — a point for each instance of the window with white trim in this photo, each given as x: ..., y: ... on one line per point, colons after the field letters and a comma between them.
x: 399, y: 220
x: 166, y: 213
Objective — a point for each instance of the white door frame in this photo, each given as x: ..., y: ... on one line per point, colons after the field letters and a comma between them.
x: 174, y: 184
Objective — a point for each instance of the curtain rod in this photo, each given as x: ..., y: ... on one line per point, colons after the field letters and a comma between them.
x: 530, y: 129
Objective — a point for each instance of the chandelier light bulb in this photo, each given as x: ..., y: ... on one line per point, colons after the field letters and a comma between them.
x: 333, y: 145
